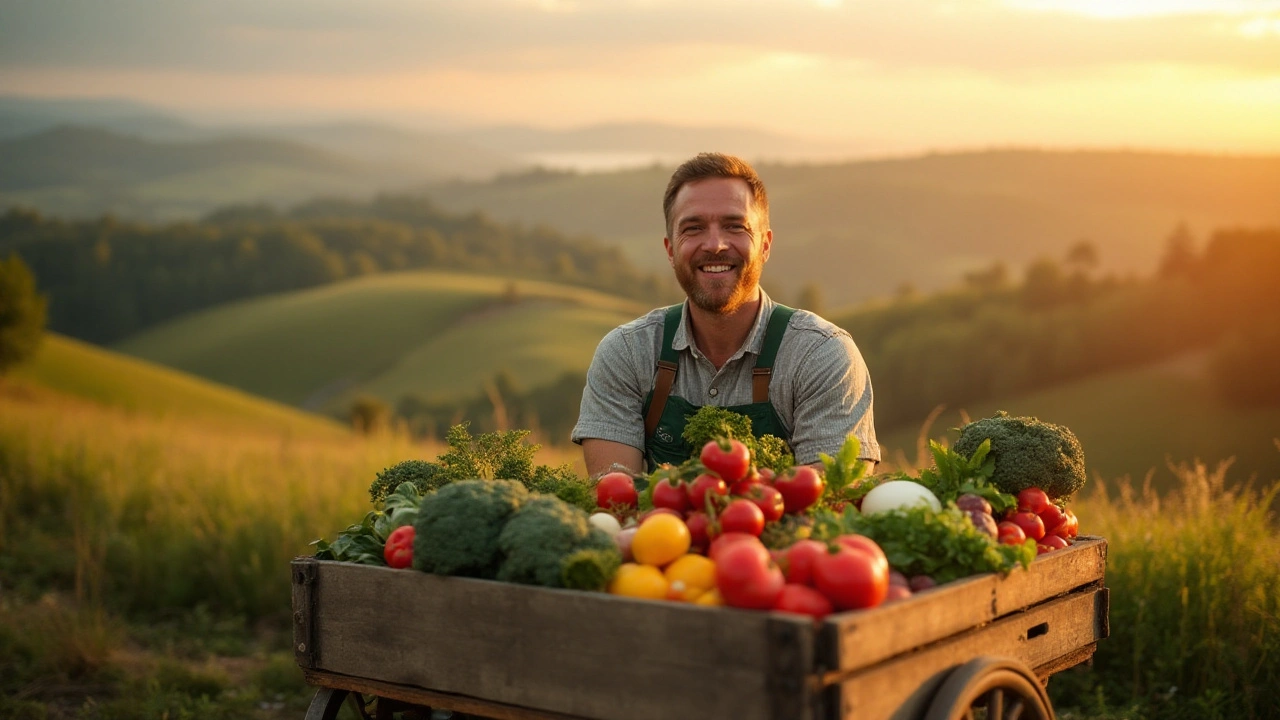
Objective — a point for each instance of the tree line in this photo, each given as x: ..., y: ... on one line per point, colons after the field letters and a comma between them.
x: 993, y: 337
x: 108, y: 278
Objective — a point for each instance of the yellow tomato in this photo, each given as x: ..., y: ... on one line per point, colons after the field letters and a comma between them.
x: 661, y: 539
x: 711, y: 598
x: 690, y: 576
x: 639, y: 581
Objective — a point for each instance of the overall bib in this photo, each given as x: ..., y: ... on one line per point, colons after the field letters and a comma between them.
x: 665, y: 415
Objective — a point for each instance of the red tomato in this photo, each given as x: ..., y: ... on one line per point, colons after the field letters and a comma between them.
x: 727, y: 539
x: 667, y: 495
x: 862, y: 543
x: 770, y: 502
x: 399, y: 550
x: 699, y: 531
x: 1052, y: 517
x: 767, y: 475
x: 897, y: 592
x: 1011, y: 533
x: 803, y: 600
x: 1070, y: 528
x: 1033, y: 500
x: 851, y: 579
x: 746, y: 577
x: 1055, y: 542
x: 616, y: 492
x: 742, y: 516
x: 743, y: 488
x: 1030, y: 523
x: 703, y: 485
x: 799, y: 561
x: 800, y: 487
x: 729, y: 459
x: 1041, y: 548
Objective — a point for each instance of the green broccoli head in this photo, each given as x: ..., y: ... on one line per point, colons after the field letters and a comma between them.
x: 1027, y: 453
x: 540, y: 536
x: 457, y: 529
x: 425, y: 476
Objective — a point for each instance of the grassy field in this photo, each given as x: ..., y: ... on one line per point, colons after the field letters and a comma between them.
x: 387, y: 335
x: 144, y: 566
x: 1133, y: 422
x: 69, y: 367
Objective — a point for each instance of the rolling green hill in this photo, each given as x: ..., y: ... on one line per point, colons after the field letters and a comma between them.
x: 924, y: 220
x: 70, y: 367
x: 437, y: 334
x: 1129, y: 422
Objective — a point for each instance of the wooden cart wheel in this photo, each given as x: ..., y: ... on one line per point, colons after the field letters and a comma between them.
x: 325, y: 704
x: 990, y: 689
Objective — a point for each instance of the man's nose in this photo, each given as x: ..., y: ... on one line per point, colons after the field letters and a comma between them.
x: 717, y: 239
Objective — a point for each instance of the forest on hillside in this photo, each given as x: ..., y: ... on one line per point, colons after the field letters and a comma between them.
x: 996, y: 335
x: 108, y: 278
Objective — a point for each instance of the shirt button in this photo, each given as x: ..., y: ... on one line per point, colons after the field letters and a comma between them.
x: 713, y: 392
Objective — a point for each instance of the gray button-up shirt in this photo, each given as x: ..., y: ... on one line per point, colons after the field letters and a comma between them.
x: 820, y: 385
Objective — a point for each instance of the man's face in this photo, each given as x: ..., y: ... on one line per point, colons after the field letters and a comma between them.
x: 717, y: 243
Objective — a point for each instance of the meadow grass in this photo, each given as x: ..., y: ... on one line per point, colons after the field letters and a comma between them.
x: 144, y: 560
x: 1195, y: 600
x: 70, y: 367
x: 306, y: 347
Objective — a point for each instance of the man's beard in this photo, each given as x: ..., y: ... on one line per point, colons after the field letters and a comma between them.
x: 714, y: 297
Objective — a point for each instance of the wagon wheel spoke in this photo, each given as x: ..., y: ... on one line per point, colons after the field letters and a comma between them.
x: 995, y: 704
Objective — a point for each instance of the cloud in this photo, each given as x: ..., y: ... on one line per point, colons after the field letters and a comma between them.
x: 997, y: 37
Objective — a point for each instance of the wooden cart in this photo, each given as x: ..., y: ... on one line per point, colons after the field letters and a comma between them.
x: 498, y: 650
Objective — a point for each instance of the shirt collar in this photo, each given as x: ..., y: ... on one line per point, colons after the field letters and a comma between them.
x: 755, y: 339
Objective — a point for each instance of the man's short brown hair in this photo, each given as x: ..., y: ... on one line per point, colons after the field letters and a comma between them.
x: 707, y: 165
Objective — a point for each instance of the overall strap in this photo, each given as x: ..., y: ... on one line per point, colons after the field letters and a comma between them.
x: 667, y: 364
x: 762, y: 373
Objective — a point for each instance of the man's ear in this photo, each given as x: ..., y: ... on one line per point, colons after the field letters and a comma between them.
x: 766, y: 244
x: 671, y: 251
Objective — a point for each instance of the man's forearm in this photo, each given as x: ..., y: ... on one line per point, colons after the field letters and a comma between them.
x: 601, y: 456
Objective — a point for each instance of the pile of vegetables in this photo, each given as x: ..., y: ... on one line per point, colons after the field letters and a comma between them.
x: 483, y: 510
x: 738, y: 524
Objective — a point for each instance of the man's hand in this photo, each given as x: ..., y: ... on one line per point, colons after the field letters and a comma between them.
x: 600, y: 457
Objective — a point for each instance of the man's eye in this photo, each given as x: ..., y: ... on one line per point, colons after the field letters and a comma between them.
x: 688, y: 229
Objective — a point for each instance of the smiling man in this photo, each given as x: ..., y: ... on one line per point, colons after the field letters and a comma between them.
x: 728, y: 344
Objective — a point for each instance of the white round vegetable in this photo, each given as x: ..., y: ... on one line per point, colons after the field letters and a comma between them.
x: 606, y: 522
x: 898, y: 495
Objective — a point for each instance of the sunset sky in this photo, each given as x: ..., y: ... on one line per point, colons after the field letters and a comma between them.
x: 879, y: 75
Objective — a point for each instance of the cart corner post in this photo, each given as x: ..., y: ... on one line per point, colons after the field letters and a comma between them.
x: 304, y: 610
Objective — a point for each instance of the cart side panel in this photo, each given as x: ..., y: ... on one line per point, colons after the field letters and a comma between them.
x: 583, y: 654
x: 901, y: 688
x: 862, y: 638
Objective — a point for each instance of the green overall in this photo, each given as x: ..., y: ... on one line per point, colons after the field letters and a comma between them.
x: 665, y: 415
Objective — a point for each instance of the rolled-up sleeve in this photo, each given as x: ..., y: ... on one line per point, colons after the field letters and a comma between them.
x: 614, y: 396
x: 833, y: 399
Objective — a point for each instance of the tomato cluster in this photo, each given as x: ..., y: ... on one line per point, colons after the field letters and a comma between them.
x: 718, y: 492
x: 1038, y: 518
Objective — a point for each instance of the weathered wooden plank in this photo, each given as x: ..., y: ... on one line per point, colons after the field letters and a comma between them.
x: 580, y: 654
x: 902, y: 687
x: 862, y: 638
x: 304, y: 576
x: 429, y: 698
x: 1053, y: 574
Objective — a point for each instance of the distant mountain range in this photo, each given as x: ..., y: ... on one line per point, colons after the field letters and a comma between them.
x: 858, y: 229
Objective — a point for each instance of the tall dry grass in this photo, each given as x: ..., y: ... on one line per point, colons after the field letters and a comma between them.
x: 140, y: 515
x: 1195, y: 599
